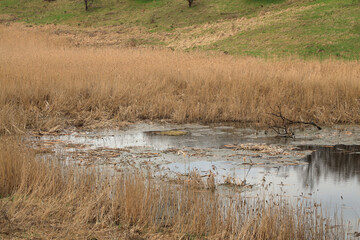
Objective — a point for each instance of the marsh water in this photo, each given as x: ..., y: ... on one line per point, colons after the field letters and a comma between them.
x: 323, y: 167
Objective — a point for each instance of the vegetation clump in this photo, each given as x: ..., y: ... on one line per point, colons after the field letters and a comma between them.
x: 54, y: 86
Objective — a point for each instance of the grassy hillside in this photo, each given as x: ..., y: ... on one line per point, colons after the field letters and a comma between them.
x: 267, y: 28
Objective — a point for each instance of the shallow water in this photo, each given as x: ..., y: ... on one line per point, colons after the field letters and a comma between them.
x: 329, y: 175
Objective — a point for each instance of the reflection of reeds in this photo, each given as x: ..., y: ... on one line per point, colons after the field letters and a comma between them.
x: 48, y: 199
x: 341, y: 163
x: 46, y: 85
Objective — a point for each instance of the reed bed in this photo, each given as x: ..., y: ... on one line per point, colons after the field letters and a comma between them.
x: 42, y: 198
x: 46, y: 83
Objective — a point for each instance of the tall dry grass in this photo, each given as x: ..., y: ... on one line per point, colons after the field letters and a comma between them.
x: 45, y: 199
x: 45, y: 83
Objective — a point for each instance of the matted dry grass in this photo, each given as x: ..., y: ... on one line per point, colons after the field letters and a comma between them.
x: 44, y: 199
x: 44, y: 83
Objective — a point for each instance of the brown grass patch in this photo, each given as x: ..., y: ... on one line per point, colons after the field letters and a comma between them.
x: 45, y: 84
x: 209, y: 33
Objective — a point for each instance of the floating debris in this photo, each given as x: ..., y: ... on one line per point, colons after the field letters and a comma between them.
x: 171, y: 133
x: 262, y: 148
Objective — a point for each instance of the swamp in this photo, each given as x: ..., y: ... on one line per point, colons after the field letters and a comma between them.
x: 107, y: 142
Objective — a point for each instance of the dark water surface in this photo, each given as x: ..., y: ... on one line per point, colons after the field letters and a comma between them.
x: 333, y: 176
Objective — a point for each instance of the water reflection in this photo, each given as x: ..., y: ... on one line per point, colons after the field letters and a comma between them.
x: 336, y: 164
x: 331, y: 177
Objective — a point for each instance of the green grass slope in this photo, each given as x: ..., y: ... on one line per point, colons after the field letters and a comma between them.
x: 267, y: 28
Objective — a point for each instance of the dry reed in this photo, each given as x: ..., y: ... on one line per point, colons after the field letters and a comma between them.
x: 45, y: 83
x: 46, y: 199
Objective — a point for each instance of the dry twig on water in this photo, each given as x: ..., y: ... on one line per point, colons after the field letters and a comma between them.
x: 284, y: 127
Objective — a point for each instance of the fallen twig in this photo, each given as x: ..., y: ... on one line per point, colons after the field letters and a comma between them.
x: 283, y: 129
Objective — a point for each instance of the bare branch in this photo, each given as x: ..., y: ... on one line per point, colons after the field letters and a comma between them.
x: 283, y: 128
x: 279, y: 115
